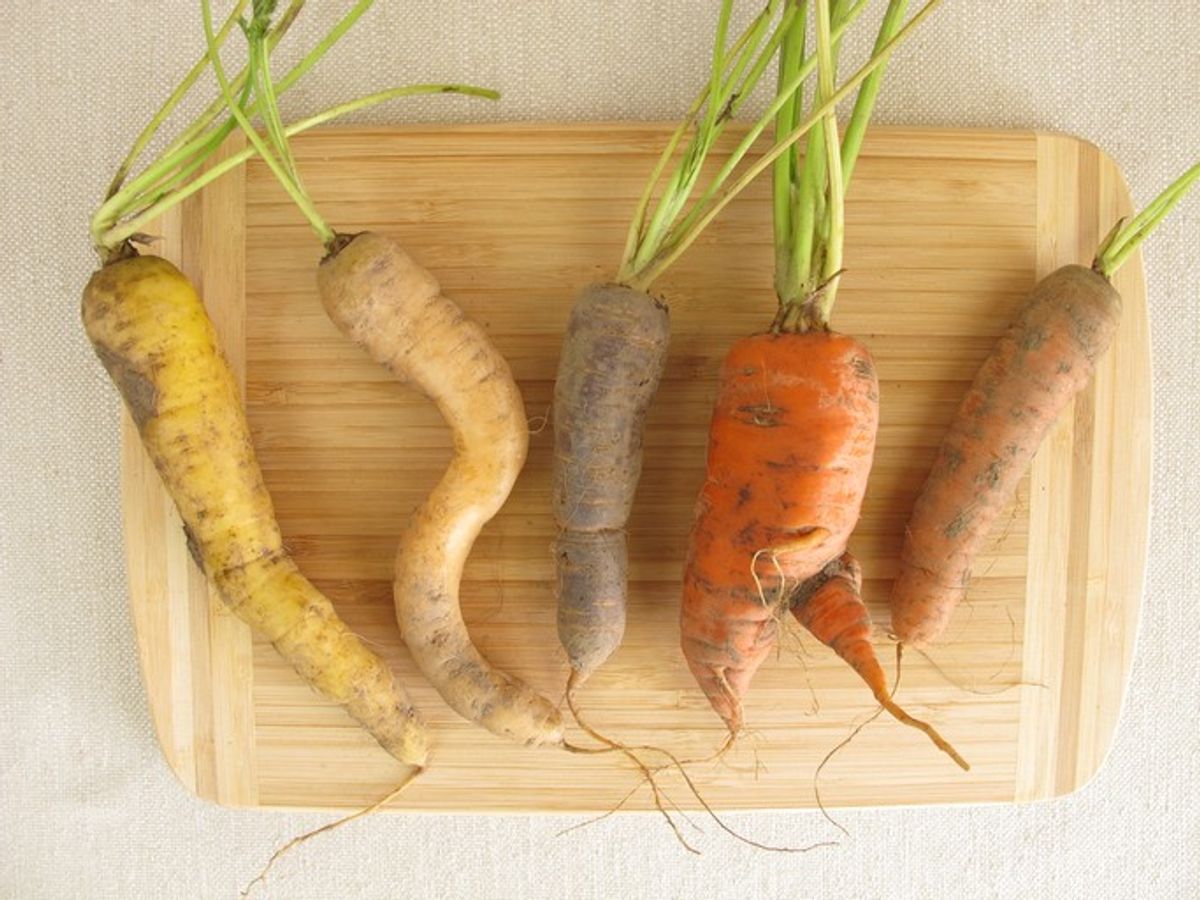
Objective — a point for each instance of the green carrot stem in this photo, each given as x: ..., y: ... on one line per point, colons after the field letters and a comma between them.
x: 673, y: 251
x: 269, y: 101
x: 674, y: 195
x: 808, y: 198
x: 164, y: 173
x: 834, y: 236
x: 173, y: 181
x: 808, y: 207
x: 116, y: 235
x: 638, y: 221
x: 864, y: 103
x: 1125, y: 240
x: 810, y: 218
x: 745, y: 48
x: 159, y: 171
x: 186, y: 167
x: 784, y: 168
x: 302, y: 201
x: 214, y: 109
x: 684, y: 176
x: 259, y: 67
x: 191, y: 143
x: 718, y: 63
x: 323, y: 46
x: 741, y: 77
x: 166, y: 182
x: 789, y: 26
x: 637, y: 224
x: 645, y: 240
x: 151, y: 129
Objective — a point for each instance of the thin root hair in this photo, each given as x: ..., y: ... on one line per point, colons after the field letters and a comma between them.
x: 297, y: 841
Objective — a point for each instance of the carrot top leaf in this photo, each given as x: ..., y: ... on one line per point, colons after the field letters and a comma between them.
x: 735, y: 73
x: 147, y: 134
x: 255, y: 33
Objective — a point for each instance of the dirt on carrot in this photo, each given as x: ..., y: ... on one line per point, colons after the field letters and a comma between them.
x: 1046, y: 357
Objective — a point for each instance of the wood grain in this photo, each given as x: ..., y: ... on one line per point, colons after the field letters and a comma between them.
x: 946, y: 232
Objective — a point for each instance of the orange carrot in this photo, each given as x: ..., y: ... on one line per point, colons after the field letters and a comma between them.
x: 1035, y: 369
x: 1047, y: 357
x: 792, y: 437
x: 790, y: 448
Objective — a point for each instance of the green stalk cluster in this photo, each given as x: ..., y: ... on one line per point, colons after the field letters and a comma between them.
x: 178, y: 171
x: 1125, y: 238
x: 735, y: 73
x: 659, y: 236
x: 809, y: 195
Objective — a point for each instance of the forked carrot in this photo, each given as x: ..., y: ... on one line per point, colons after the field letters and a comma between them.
x: 790, y: 448
x: 793, y: 433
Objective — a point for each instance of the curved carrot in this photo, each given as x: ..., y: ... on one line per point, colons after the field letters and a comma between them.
x: 393, y: 308
x: 1047, y: 356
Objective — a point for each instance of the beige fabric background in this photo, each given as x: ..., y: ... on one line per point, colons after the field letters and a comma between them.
x: 87, y: 806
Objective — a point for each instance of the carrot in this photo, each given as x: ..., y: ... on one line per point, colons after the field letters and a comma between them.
x: 790, y: 448
x: 598, y: 422
x: 151, y: 332
x: 1046, y: 357
x: 385, y: 302
x: 394, y: 309
x: 793, y: 431
x: 616, y: 340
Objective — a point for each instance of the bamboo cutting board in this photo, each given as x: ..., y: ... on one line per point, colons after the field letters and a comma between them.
x: 946, y: 232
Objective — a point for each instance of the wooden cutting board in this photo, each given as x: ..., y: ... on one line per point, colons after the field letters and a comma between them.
x: 947, y: 230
